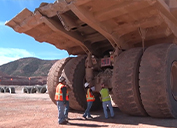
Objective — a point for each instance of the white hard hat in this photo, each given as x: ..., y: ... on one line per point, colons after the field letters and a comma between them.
x: 86, y: 84
x: 93, y: 88
x: 61, y: 79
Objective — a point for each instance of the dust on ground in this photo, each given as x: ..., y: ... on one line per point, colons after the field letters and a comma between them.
x: 22, y: 110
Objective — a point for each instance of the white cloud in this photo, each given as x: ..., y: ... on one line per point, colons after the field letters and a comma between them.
x: 2, y: 23
x: 2, y: 27
x: 11, y: 54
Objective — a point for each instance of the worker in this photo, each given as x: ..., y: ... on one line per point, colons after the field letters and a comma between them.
x: 106, y: 101
x: 67, y: 104
x: 61, y: 97
x: 90, y: 99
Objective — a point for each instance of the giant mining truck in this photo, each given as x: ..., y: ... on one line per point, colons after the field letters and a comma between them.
x: 130, y: 45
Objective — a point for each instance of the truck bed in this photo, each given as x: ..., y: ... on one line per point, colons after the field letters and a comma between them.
x: 97, y: 26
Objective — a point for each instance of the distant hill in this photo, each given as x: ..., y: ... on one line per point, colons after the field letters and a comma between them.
x: 28, y: 67
x: 20, y: 70
x: 3, y: 74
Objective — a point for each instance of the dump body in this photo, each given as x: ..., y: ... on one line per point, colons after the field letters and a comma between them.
x: 97, y: 26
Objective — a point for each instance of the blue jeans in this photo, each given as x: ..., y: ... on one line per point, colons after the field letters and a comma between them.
x: 105, y: 104
x: 87, y: 111
x: 66, y: 109
x: 61, y: 108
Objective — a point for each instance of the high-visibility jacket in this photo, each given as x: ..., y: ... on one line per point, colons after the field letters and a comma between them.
x: 59, y: 94
x: 89, y: 96
x: 105, y: 94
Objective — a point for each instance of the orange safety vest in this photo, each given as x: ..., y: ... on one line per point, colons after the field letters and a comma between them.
x: 89, y: 96
x: 58, y: 94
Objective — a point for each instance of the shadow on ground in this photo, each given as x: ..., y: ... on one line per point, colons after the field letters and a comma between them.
x: 121, y: 118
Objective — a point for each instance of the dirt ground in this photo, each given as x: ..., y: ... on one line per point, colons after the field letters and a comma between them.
x: 37, y: 111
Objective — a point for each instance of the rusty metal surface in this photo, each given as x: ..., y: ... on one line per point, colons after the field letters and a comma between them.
x: 83, y: 26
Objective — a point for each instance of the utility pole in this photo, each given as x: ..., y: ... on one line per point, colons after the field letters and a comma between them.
x: 29, y: 80
x: 11, y: 80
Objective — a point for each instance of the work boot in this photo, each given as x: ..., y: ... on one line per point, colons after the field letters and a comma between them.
x: 63, y: 123
x: 66, y: 118
x: 84, y: 117
x: 112, y: 117
x: 90, y: 117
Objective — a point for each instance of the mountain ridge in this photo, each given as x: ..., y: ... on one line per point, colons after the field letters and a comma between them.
x: 24, y: 69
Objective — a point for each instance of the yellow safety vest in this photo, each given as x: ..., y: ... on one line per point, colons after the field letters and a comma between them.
x: 105, y: 94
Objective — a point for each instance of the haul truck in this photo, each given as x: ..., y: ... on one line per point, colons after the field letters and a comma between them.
x: 128, y: 44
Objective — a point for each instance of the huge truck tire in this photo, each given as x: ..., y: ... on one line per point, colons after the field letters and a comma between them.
x: 74, y: 71
x: 126, y: 82
x: 158, y: 80
x: 53, y: 76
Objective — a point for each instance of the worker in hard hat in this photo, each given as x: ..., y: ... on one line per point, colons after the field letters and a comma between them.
x: 106, y: 101
x: 90, y: 99
x: 61, y: 97
x: 67, y: 103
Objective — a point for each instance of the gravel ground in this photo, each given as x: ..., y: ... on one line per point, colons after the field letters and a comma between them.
x: 21, y: 110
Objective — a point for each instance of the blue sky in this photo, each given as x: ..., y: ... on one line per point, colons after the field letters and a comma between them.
x: 14, y: 45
